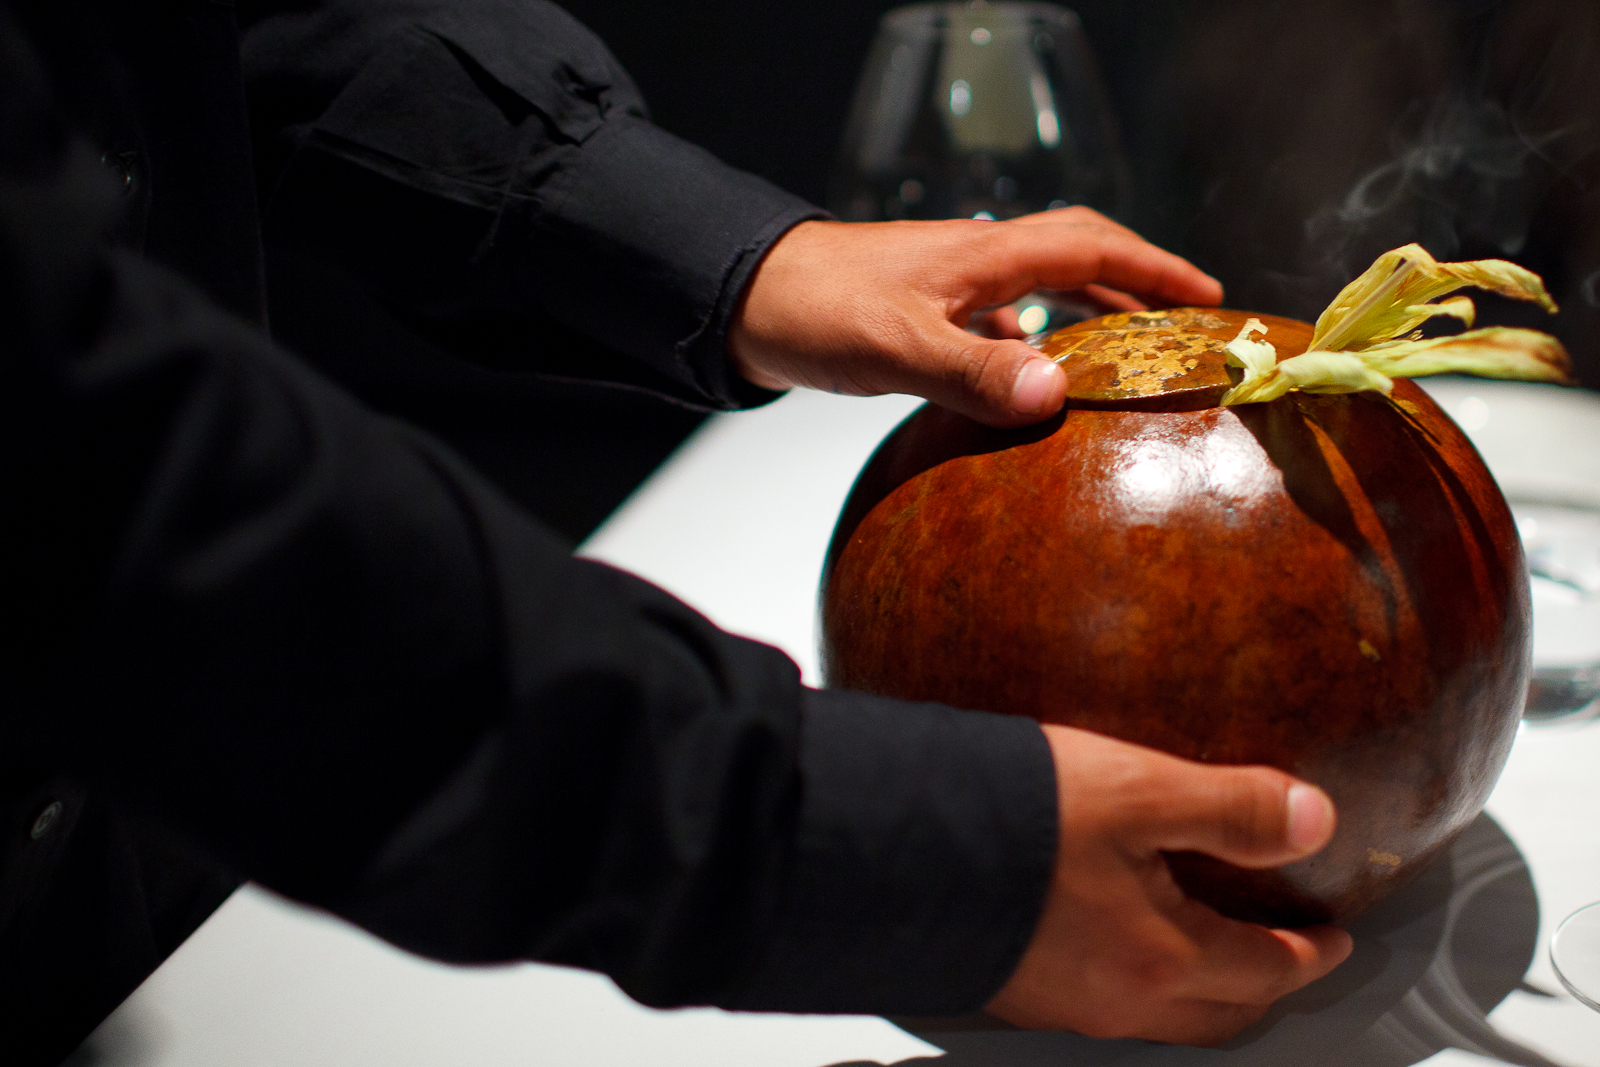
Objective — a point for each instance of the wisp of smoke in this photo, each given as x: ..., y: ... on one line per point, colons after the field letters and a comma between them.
x: 1460, y: 180
x: 1591, y: 290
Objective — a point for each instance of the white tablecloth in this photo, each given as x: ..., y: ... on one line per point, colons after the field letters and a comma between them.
x: 736, y: 524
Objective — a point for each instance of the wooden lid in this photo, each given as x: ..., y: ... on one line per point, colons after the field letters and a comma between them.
x: 1160, y: 360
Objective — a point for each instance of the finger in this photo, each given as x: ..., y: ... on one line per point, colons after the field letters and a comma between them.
x: 998, y: 383
x: 1228, y: 997
x: 1076, y: 215
x: 1247, y: 816
x: 1001, y: 323
x: 1073, y: 256
x: 1242, y: 963
x: 1109, y: 300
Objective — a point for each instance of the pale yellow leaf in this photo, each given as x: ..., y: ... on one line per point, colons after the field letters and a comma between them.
x: 1494, y: 352
x: 1391, y: 297
x: 1313, y: 372
x: 1256, y: 357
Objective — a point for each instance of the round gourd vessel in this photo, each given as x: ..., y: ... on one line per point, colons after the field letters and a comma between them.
x: 1331, y: 585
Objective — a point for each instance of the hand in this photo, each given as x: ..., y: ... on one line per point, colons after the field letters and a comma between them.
x: 1119, y: 950
x: 869, y: 308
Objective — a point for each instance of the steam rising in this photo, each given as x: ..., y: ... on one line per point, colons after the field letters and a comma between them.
x: 1460, y: 181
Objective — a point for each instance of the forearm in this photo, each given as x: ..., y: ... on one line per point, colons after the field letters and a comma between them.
x: 312, y: 640
x: 924, y: 846
x: 309, y: 638
x: 493, y: 166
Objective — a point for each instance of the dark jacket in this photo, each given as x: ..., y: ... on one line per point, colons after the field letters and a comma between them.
x: 273, y: 628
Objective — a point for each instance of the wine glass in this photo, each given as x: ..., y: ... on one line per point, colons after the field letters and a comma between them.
x: 1542, y: 443
x: 981, y: 110
x: 1575, y: 953
x: 1563, y: 548
x: 1562, y: 544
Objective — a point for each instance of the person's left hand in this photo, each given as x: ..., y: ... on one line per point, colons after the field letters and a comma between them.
x: 869, y: 308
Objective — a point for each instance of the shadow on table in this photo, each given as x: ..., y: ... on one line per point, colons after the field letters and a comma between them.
x: 1429, y: 964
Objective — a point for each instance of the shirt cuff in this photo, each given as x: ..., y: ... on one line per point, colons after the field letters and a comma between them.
x: 648, y: 232
x: 926, y: 842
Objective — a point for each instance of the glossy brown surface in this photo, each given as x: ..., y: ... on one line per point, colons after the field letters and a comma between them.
x: 1158, y: 360
x: 1330, y: 585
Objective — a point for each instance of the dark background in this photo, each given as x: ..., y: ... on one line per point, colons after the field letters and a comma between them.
x: 1281, y: 146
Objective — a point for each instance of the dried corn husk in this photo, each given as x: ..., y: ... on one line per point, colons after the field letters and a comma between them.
x: 1365, y: 323
x: 1390, y: 297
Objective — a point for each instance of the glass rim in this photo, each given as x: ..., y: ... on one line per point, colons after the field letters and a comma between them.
x: 928, y: 20
x: 1583, y: 914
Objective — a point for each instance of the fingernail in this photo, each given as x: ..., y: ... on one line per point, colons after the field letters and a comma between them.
x: 1035, y: 388
x: 1310, y: 817
x: 1348, y: 944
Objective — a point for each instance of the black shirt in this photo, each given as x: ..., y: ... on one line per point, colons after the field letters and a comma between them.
x: 265, y: 621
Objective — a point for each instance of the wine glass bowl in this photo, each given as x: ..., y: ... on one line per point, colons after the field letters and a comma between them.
x: 1542, y: 443
x: 1575, y: 954
x: 978, y: 110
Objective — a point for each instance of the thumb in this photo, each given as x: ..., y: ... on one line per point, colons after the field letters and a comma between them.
x: 1248, y: 816
x: 997, y: 382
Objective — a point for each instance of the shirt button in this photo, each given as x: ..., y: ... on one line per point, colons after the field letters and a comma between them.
x: 45, y: 820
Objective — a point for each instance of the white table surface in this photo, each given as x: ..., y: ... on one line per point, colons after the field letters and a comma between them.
x: 736, y: 524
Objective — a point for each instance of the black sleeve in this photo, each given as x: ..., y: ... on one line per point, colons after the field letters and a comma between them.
x: 308, y: 637
x: 487, y: 168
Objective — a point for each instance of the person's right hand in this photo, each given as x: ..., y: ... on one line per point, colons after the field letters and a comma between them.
x: 882, y: 307
x: 1120, y: 950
